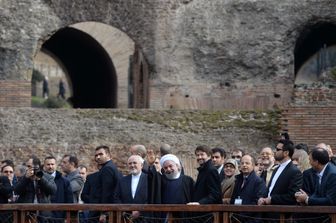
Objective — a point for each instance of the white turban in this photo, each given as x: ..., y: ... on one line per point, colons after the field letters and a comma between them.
x: 169, y: 157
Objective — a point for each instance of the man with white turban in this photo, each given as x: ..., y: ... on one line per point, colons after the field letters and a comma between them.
x: 174, y: 187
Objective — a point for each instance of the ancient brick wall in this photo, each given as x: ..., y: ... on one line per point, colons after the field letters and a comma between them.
x: 311, y: 124
x: 15, y: 93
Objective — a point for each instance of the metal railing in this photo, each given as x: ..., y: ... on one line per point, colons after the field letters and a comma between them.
x: 221, y: 213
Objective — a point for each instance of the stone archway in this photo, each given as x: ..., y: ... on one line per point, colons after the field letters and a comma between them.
x: 101, y: 64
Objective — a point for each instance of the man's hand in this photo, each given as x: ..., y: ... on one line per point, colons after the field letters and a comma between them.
x: 193, y: 203
x: 301, y: 197
x: 102, y: 218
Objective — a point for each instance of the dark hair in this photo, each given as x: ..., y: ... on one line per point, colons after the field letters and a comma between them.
x: 287, y: 146
x: 36, y: 161
x: 72, y: 159
x: 302, y: 146
x: 285, y: 135
x: 8, y: 162
x: 203, y: 148
x: 106, y: 148
x: 82, y: 166
x: 49, y: 158
x: 320, y: 155
x: 219, y: 150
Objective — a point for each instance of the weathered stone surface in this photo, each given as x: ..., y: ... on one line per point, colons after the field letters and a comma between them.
x: 57, y: 132
x: 194, y: 48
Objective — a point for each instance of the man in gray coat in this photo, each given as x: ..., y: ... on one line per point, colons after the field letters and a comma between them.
x: 69, y: 167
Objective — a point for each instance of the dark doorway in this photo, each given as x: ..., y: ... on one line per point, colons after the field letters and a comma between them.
x: 313, y: 40
x: 89, y: 68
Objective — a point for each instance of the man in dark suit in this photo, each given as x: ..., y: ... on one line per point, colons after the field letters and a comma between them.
x: 218, y: 156
x: 6, y: 192
x: 323, y: 173
x: 132, y: 189
x: 108, y: 177
x: 91, y: 194
x: 248, y: 188
x: 319, y: 184
x: 286, y: 178
x: 207, y: 187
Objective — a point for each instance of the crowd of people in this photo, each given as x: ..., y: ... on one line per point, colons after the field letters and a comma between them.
x: 286, y: 175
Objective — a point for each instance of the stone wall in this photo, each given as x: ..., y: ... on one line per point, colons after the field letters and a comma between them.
x: 202, y: 54
x: 75, y: 131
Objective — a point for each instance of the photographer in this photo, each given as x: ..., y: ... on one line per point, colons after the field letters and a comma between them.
x: 36, y: 186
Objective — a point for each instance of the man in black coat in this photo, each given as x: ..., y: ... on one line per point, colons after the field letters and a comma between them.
x: 109, y: 177
x: 91, y: 194
x: 6, y: 191
x: 207, y: 187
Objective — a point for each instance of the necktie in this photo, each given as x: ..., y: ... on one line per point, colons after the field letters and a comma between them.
x: 244, y: 182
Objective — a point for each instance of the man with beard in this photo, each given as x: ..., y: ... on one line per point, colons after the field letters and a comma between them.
x: 207, y: 187
x: 286, y: 178
x: 132, y: 189
x: 267, y: 157
x: 176, y: 188
x: 64, y: 192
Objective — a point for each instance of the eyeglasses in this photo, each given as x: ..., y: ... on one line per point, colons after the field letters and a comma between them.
x: 8, y: 171
x: 277, y: 149
x: 234, y: 157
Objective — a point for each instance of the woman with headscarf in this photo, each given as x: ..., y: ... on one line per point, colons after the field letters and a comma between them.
x: 227, y: 185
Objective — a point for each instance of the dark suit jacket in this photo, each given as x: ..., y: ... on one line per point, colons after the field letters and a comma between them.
x: 124, y: 190
x: 289, y: 182
x: 90, y: 193
x: 207, y: 187
x: 309, y: 181
x: 253, y: 189
x: 221, y: 175
x: 108, y: 180
x: 5, y: 189
x: 325, y: 194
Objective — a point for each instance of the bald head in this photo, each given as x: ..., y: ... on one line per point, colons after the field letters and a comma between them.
x: 165, y: 149
x: 139, y: 150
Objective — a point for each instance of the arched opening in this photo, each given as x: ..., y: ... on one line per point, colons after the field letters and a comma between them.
x: 90, y: 69
x: 101, y: 64
x: 315, y: 53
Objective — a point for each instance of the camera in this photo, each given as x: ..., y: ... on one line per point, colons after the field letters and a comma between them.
x: 37, y: 171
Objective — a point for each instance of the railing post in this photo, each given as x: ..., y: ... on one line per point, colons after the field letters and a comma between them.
x: 216, y: 217
x: 15, y: 217
x: 226, y: 217
x: 170, y: 217
x: 119, y: 217
x: 111, y: 215
x: 68, y: 216
x: 23, y: 216
x: 282, y: 218
x: 333, y: 218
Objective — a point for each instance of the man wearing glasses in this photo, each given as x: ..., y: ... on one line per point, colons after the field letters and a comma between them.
x: 286, y: 178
